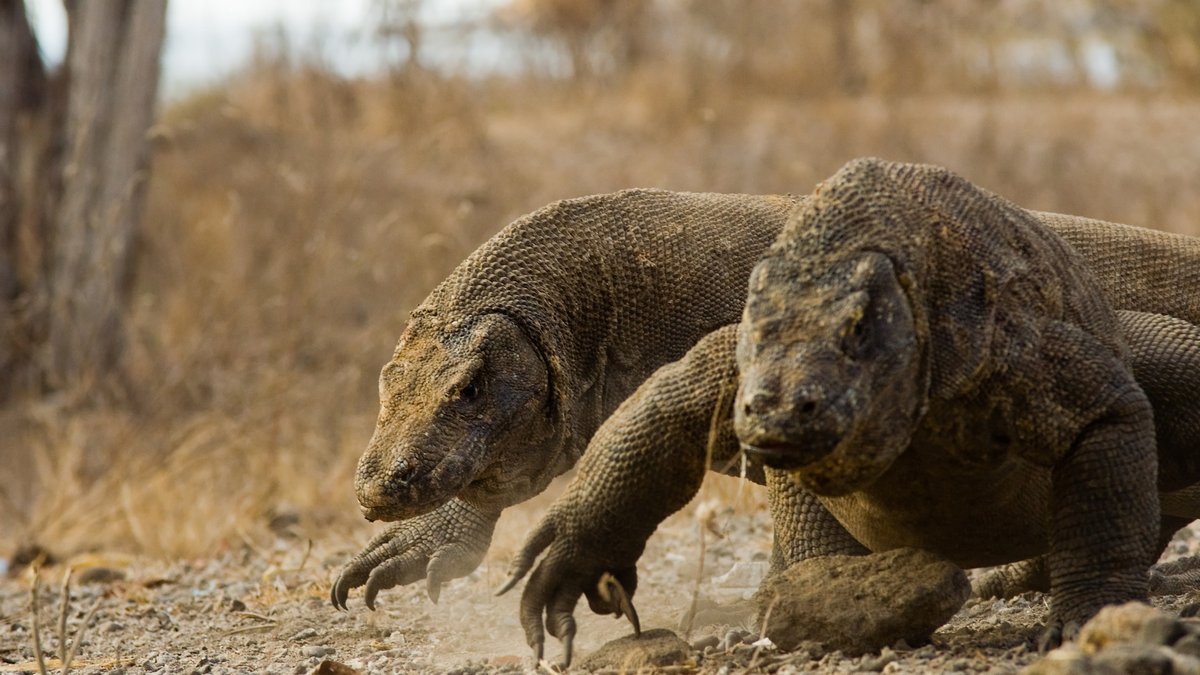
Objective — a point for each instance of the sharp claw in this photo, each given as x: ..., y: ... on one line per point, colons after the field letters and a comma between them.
x: 612, y: 592
x: 568, y: 642
x: 1051, y: 638
x: 538, y: 648
x: 630, y: 612
x: 369, y: 596
x: 339, y: 593
x: 508, y: 584
x: 433, y: 588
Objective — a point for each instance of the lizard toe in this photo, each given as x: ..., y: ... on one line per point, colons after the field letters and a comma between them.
x: 398, y: 571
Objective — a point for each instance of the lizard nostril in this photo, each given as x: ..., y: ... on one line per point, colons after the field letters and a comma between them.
x: 403, y: 472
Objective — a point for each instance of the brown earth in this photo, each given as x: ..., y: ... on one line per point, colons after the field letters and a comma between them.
x: 262, y: 606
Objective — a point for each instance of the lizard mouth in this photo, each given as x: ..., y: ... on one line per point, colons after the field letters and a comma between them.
x: 418, y: 490
x: 787, y: 455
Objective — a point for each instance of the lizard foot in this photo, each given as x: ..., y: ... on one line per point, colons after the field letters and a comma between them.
x: 444, y: 544
x: 1056, y: 633
x: 570, y: 569
x: 1176, y: 577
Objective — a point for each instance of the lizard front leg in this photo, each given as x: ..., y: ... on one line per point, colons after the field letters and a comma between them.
x: 1165, y: 359
x: 646, y: 462
x: 444, y: 544
x: 1104, y: 515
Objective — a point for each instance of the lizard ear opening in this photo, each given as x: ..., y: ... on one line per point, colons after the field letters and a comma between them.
x: 513, y: 346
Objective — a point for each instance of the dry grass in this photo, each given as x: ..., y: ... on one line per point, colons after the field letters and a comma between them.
x: 294, y: 218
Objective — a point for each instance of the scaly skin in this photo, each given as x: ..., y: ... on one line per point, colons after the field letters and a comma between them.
x: 804, y: 528
x: 506, y: 370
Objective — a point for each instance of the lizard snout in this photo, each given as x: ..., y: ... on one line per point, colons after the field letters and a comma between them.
x: 786, y: 431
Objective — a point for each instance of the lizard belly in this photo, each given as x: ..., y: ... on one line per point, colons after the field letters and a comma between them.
x: 973, y: 515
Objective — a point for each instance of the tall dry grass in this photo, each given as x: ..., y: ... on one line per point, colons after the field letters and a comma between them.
x: 294, y: 218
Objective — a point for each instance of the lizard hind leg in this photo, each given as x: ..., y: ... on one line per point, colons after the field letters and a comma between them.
x: 1165, y: 355
x: 1169, y: 578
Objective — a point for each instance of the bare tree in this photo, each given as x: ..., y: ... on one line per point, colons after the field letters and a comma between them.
x: 77, y: 156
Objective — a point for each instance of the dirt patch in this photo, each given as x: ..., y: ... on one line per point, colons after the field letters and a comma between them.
x: 264, y: 608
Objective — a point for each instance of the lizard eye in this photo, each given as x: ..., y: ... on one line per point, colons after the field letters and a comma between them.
x: 469, y: 392
x: 853, y: 338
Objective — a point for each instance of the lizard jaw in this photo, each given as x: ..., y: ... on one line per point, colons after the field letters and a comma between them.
x: 788, y: 455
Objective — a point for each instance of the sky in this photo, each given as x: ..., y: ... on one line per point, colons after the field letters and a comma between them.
x: 208, y: 38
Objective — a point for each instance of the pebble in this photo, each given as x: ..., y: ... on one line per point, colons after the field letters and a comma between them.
x: 1129, y: 638
x: 304, y: 634
x: 878, y: 663
x: 315, y: 650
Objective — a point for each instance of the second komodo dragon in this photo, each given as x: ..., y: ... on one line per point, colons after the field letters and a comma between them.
x: 943, y: 371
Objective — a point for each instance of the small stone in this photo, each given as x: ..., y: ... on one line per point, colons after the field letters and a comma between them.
x: 878, y: 663
x: 1134, y: 658
x: 1126, y: 623
x: 1182, y: 663
x: 315, y: 650
x: 732, y: 639
x: 654, y: 649
x: 860, y: 604
x: 236, y: 605
x: 328, y: 667
x: 1188, y: 645
x: 706, y: 642
x: 1163, y: 629
x: 304, y: 635
x: 1066, y: 660
x: 99, y: 575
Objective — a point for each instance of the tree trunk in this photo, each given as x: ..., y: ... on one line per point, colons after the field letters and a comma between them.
x: 80, y: 209
x: 22, y: 97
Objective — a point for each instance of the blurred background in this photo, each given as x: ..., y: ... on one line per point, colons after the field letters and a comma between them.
x: 203, y: 265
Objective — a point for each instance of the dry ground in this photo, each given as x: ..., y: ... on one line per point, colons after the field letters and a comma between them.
x: 261, y: 605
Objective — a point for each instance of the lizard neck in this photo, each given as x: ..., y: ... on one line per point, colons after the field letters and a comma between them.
x: 613, y: 286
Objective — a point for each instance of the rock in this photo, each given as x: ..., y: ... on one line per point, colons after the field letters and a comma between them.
x: 99, y: 575
x: 1130, y: 622
x: 328, y: 667
x: 878, y: 663
x: 732, y: 639
x: 304, y: 635
x: 655, y: 648
x: 859, y: 604
x: 1189, y: 645
x: 1129, y: 638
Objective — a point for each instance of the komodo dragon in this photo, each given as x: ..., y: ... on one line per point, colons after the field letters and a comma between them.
x: 506, y: 370
x: 620, y: 495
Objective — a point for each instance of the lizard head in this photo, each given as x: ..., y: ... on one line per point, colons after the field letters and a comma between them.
x: 463, y: 407
x: 830, y: 370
